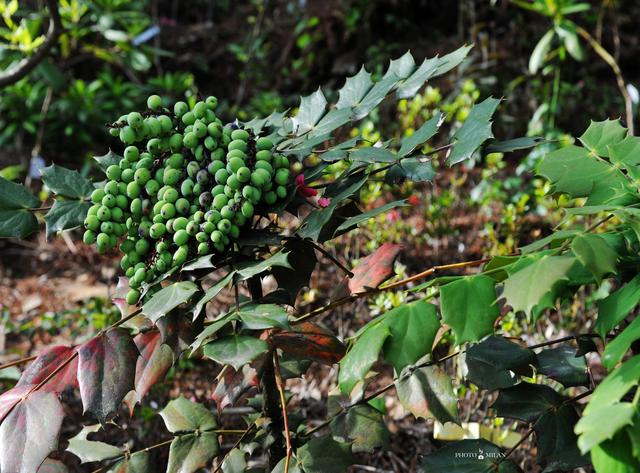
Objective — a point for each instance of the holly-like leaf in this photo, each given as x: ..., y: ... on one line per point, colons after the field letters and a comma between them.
x: 416, y: 169
x: 515, y: 144
x: 453, y: 59
x: 309, y: 341
x: 261, y: 316
x: 600, y: 135
x: 375, y: 95
x: 353, y: 222
x: 373, y: 154
x: 526, y: 401
x: 616, y: 306
x: 182, y: 415
x: 311, y: 109
x: 362, y: 426
x: 524, y: 289
x: 469, y: 456
x: 17, y: 223
x: 212, y: 292
x: 106, y: 371
x: 248, y: 270
x: 48, y: 361
x: 469, y: 307
x: 235, y: 350
x: 626, y: 153
x: 66, y: 182
x: 603, y: 424
x: 616, y: 348
x: 401, y: 67
x: 495, y: 362
x: 153, y: 363
x: 168, y: 298
x: 29, y: 433
x: 595, y: 254
x: 412, y: 329
x: 563, y: 365
x: 428, y: 392
x: 364, y: 353
x: 91, y: 450
x: 107, y: 160
x: 302, y: 258
x: 354, y: 89
x: 371, y: 272
x: 137, y: 462
x: 14, y: 196
x: 556, y: 440
x: 65, y: 215
x: 416, y: 80
x: 325, y: 455
x: 615, y: 455
x: 191, y: 452
x: 475, y: 130
x: 421, y: 135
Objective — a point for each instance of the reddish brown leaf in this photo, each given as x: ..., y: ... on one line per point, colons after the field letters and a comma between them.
x: 178, y: 331
x: 236, y: 383
x: 30, y: 432
x: 48, y: 361
x: 153, y: 363
x: 309, y: 341
x: 371, y: 272
x: 10, y: 398
x: 106, y: 371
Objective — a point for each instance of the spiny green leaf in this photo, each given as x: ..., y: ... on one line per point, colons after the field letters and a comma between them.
x: 515, y: 144
x: 556, y: 441
x: 247, y: 270
x: 66, y: 182
x: 311, y: 109
x: 65, y: 215
x: 525, y: 289
x: 616, y: 306
x: 373, y: 154
x: 594, y: 253
x: 600, y: 135
x: 325, y: 455
x: 563, y: 365
x: 354, y: 89
x: 603, y: 424
x: 262, y: 316
x: 182, y: 415
x: 410, y: 86
x: 15, y: 196
x: 168, y: 298
x: 475, y: 130
x: 17, y: 223
x: 212, y: 292
x: 616, y: 348
x: 453, y: 59
x: 526, y: 401
x: 91, y: 450
x: 362, y: 426
x: 422, y: 134
x: 235, y: 350
x: 191, y: 452
x: 469, y: 307
x: 626, y: 153
x: 107, y: 160
x: 416, y: 169
x: 375, y: 95
x: 364, y: 353
x: 413, y: 329
x: 401, y: 67
x: 428, y: 392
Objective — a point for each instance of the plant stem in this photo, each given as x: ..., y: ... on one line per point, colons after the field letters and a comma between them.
x: 335, y: 260
x: 283, y: 403
x: 17, y: 362
x: 235, y: 445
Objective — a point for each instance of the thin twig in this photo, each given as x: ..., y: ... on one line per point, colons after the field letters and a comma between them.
x: 18, y: 362
x: 335, y: 260
x: 563, y: 339
x: 244, y: 435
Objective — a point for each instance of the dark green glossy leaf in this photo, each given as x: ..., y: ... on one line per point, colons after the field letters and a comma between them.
x: 474, y: 131
x: 302, y: 258
x: 65, y: 215
x: 15, y: 196
x: 616, y: 306
x: 19, y: 223
x: 421, y: 135
x: 168, y: 298
x: 325, y: 455
x: 372, y: 154
x: 262, y: 316
x: 247, y: 270
x: 235, y: 350
x: 212, y: 292
x: 556, y: 440
x: 428, y: 392
x: 469, y: 307
x: 66, y: 182
x: 362, y: 426
x: 416, y: 169
x: 364, y: 353
x: 515, y: 144
x: 564, y: 366
x: 595, y: 254
x: 526, y: 401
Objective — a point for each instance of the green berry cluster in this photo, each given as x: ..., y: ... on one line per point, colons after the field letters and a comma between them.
x: 185, y: 186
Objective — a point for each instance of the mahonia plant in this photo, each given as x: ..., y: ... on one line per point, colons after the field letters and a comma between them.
x: 171, y: 202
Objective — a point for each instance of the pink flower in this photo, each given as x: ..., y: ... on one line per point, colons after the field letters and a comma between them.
x: 324, y: 202
x: 303, y: 190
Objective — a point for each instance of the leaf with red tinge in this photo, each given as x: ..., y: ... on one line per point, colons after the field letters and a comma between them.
x: 10, y: 398
x: 30, y: 432
x: 309, y: 341
x: 53, y: 466
x: 48, y: 361
x: 178, y: 331
x: 153, y: 363
x: 106, y: 371
x: 371, y: 272
x: 236, y: 383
